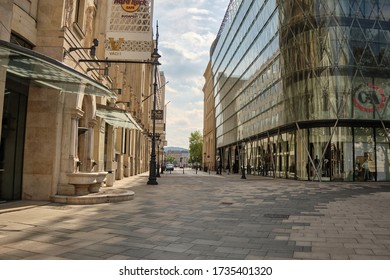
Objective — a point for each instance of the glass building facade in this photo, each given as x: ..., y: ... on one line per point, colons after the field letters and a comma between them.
x: 302, y: 89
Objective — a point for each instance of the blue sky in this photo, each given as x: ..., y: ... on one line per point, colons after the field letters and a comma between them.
x: 186, y: 28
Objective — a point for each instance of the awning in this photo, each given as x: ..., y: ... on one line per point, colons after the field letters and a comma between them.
x: 116, y: 117
x: 48, y: 72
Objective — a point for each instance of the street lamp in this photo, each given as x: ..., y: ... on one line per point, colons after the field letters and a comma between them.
x: 152, y: 170
x: 158, y: 156
x: 162, y: 160
x: 209, y: 162
x: 204, y: 162
x: 243, y: 164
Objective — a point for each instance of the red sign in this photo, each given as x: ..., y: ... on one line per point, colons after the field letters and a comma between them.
x: 369, y: 98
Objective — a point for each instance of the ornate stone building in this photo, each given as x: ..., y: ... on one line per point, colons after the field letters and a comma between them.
x: 72, y: 120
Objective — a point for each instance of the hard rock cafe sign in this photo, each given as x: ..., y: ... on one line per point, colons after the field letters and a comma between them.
x: 129, y: 30
x: 369, y: 98
x: 130, y: 6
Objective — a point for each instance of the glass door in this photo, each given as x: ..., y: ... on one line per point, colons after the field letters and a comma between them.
x: 12, y: 140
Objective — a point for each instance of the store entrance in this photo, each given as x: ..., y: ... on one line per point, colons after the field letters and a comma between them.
x: 12, y: 140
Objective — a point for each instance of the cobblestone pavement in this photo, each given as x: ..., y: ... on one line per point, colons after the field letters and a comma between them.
x: 205, y: 216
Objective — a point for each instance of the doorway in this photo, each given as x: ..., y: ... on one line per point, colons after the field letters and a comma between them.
x: 12, y: 140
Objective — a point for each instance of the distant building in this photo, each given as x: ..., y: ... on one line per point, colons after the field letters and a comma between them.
x: 180, y: 155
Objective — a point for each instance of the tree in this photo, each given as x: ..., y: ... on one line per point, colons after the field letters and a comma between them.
x: 170, y: 159
x: 196, y: 146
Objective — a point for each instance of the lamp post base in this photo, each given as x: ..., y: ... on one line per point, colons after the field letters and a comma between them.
x: 243, y: 174
x: 152, y: 181
x: 152, y: 172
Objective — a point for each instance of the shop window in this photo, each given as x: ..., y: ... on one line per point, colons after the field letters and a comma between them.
x: 365, y: 167
x: 340, y: 165
x: 383, y: 154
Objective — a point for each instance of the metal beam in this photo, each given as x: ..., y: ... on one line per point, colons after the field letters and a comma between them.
x: 117, y: 61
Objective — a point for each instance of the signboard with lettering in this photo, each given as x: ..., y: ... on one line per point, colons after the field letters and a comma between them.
x: 369, y: 98
x: 129, y: 30
x: 159, y: 114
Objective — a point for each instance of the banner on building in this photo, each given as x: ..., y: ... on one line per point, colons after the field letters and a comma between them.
x: 129, y: 30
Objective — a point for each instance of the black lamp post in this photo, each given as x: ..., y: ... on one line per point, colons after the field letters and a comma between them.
x: 162, y: 161
x: 243, y: 163
x: 152, y: 170
x: 158, y: 156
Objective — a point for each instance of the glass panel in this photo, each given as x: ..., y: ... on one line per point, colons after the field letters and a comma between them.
x: 47, y: 72
x: 248, y: 157
x: 383, y: 154
x: 302, y: 159
x: 267, y: 158
x: 236, y: 157
x: 319, y: 149
x: 251, y: 149
x: 271, y: 155
x: 291, y: 155
x: 262, y: 156
x: 365, y: 168
x: 117, y: 117
x: 12, y: 141
x: 282, y: 156
x: 340, y: 166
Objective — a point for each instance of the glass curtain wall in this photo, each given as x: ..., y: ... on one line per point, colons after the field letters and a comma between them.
x: 341, y: 165
x: 382, y: 154
x: 315, y: 71
x: 364, y: 154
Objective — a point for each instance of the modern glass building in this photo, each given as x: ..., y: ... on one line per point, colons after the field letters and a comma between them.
x: 302, y: 89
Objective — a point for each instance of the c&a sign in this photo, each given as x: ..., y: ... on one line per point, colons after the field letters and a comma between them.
x: 369, y: 98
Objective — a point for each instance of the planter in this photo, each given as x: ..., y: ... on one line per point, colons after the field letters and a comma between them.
x: 86, y: 182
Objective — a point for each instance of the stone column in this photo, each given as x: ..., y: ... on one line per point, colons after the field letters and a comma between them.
x: 91, y: 139
x: 126, y: 159
x: 110, y: 156
x: 76, y: 114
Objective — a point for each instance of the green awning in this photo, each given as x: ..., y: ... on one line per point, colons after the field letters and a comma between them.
x: 48, y: 72
x: 117, y: 117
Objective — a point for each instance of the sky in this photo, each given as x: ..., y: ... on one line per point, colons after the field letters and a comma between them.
x: 187, y: 29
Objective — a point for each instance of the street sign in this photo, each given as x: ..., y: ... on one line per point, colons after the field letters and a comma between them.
x: 159, y: 114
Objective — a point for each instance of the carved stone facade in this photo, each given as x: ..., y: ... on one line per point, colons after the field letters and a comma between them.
x: 58, y: 137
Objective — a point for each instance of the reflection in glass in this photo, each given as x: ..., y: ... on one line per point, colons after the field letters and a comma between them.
x: 365, y: 169
x: 297, y: 76
x: 383, y: 154
x: 341, y: 159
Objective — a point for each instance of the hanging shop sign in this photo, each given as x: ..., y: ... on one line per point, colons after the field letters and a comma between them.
x: 129, y: 30
x: 159, y: 114
x: 131, y: 5
x: 369, y: 98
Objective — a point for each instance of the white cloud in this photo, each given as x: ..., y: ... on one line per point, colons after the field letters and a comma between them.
x: 198, y: 11
x: 187, y: 30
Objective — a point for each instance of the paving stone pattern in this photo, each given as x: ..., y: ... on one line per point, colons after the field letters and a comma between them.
x: 205, y: 216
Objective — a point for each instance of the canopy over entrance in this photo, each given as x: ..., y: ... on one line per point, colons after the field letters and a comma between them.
x: 117, y: 117
x: 47, y: 72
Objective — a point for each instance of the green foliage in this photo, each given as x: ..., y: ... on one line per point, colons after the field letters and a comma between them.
x: 170, y: 159
x: 196, y: 146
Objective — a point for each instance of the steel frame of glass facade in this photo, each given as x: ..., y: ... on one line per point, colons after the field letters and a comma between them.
x: 305, y: 84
